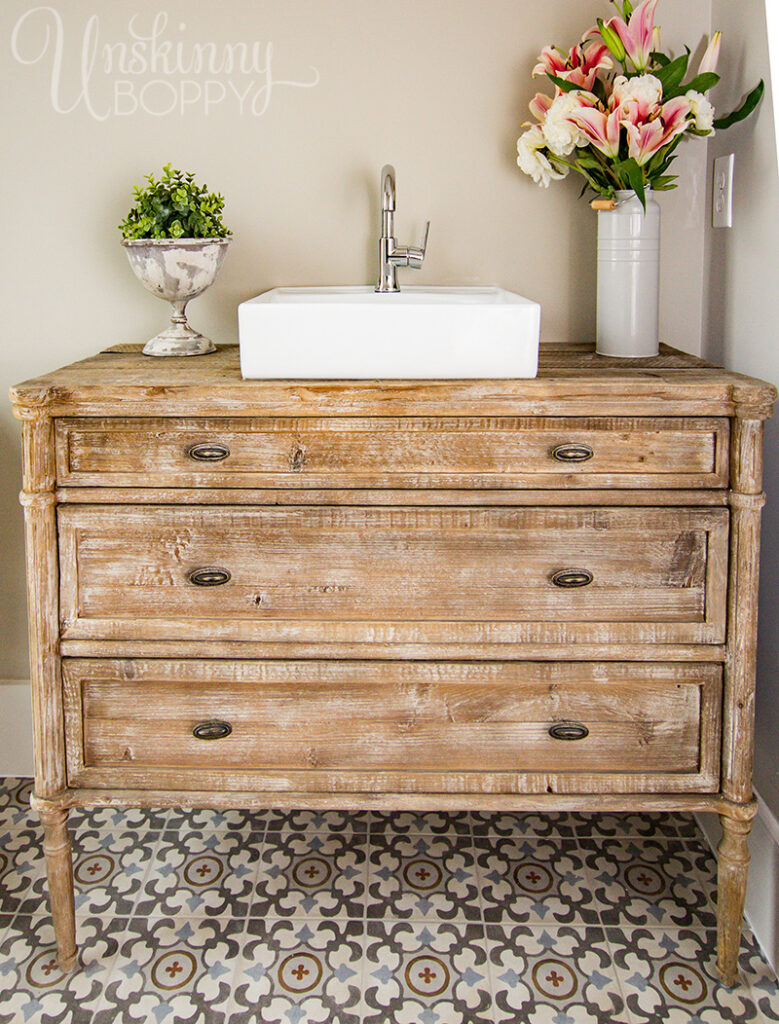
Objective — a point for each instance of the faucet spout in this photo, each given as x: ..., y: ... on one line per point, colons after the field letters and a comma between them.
x: 388, y: 188
x: 391, y: 255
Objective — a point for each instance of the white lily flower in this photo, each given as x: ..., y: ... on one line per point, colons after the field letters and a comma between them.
x: 561, y: 133
x: 533, y: 161
x: 702, y: 111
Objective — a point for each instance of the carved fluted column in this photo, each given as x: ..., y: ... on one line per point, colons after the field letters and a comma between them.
x: 40, y: 523
x: 746, y: 500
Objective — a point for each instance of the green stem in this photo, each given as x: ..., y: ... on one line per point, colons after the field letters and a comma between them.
x: 594, y: 185
x: 607, y: 170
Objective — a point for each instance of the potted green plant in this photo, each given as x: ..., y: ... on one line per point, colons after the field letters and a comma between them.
x: 175, y: 241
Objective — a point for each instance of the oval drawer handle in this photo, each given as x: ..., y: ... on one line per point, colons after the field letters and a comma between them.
x: 212, y: 730
x: 569, y: 731
x: 572, y: 452
x: 208, y: 451
x: 209, y: 576
x: 572, y: 578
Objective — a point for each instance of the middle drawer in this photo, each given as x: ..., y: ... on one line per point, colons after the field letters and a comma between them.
x: 548, y: 575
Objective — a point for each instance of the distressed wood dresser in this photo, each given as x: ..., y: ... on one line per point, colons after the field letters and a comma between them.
x: 535, y: 594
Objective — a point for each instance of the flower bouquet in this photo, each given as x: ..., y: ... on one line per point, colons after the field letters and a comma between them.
x: 621, y: 107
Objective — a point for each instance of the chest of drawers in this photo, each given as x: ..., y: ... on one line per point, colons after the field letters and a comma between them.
x: 533, y: 594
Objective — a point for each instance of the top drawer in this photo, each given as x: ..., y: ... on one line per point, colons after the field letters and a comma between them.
x: 400, y: 452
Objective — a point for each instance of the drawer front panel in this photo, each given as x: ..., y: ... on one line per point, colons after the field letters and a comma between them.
x: 393, y: 452
x: 412, y: 575
x: 656, y: 721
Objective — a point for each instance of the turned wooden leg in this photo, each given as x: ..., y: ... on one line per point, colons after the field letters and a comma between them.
x: 733, y: 864
x: 59, y: 868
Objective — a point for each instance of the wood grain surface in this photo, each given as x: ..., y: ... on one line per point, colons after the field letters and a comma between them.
x: 571, y: 382
x: 388, y: 632
x: 392, y: 452
x: 336, y: 574
x: 393, y: 716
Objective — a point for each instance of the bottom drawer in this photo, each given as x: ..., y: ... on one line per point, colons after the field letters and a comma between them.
x: 393, y: 726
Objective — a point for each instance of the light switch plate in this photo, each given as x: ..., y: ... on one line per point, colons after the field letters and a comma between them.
x: 722, y: 193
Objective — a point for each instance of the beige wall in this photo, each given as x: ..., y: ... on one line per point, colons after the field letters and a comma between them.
x: 439, y: 87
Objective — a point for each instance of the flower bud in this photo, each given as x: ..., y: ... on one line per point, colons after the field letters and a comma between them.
x: 711, y: 56
x: 612, y: 40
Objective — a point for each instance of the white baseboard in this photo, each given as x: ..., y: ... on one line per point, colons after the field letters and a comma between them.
x: 15, y: 728
x: 762, y: 906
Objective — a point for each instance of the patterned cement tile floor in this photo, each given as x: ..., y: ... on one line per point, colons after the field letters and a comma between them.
x: 369, y: 918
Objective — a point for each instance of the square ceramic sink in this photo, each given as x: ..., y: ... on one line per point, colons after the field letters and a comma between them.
x: 417, y: 333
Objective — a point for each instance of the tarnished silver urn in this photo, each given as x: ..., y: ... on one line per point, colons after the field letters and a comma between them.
x: 177, y: 269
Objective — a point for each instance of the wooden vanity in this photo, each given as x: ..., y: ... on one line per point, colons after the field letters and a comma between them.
x: 499, y: 595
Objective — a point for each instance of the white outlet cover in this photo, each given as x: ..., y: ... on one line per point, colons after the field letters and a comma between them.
x: 722, y: 192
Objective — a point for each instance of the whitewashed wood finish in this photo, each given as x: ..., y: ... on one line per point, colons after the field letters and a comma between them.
x: 657, y: 722
x: 38, y: 501
x: 377, y: 649
x: 441, y: 461
x: 393, y: 452
x: 323, y: 574
x: 572, y: 381
x: 402, y: 789
x: 43, y: 601
x: 59, y: 871
x: 746, y: 500
x: 733, y: 864
x: 390, y: 496
x: 392, y: 800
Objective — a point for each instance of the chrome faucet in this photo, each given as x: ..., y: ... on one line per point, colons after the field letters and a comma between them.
x: 392, y: 256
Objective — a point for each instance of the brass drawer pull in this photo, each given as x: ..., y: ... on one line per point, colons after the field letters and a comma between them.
x: 569, y: 578
x: 569, y: 731
x: 572, y: 452
x: 208, y: 451
x: 212, y: 730
x: 209, y: 576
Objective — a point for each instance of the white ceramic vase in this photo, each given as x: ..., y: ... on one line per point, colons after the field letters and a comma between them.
x: 628, y: 277
x: 177, y: 269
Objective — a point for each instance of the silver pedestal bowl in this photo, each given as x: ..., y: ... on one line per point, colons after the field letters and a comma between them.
x: 177, y: 269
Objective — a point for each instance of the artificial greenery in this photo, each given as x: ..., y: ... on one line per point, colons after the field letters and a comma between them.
x: 174, y: 207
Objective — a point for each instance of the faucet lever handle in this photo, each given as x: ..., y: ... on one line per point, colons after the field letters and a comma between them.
x: 424, y: 240
x: 416, y: 256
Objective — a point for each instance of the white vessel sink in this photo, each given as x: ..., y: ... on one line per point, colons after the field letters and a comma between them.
x: 418, y: 333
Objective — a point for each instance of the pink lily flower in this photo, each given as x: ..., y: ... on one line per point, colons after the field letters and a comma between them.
x: 644, y: 140
x: 603, y: 130
x: 711, y: 56
x: 595, y: 58
x: 580, y: 66
x: 551, y: 60
x: 637, y: 35
x: 539, y: 106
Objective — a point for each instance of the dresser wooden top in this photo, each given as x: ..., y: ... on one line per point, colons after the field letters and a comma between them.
x: 572, y: 381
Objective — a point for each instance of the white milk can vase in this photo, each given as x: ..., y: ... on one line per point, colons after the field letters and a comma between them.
x: 628, y: 277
